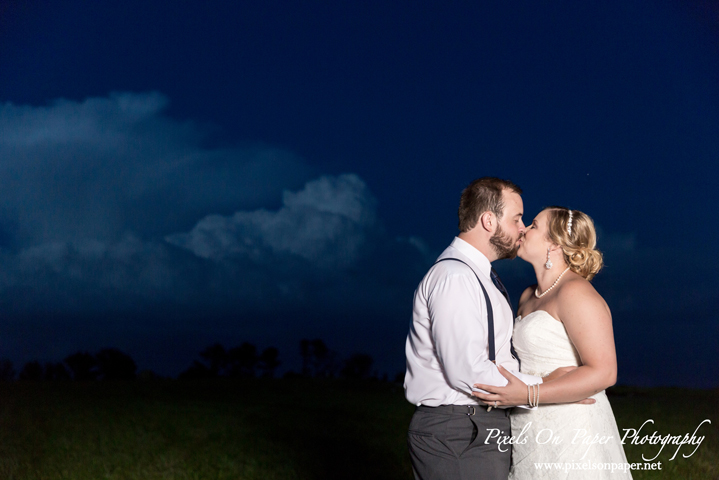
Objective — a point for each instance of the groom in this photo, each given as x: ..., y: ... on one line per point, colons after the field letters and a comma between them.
x: 450, y: 345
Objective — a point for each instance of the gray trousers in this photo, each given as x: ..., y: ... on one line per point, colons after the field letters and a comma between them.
x: 446, y: 443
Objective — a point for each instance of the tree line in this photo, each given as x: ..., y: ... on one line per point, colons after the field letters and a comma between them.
x: 215, y: 361
x: 107, y: 364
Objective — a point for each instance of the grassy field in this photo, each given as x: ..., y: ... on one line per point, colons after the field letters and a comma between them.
x: 271, y: 429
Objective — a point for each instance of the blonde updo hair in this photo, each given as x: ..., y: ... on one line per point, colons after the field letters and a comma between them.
x: 578, y: 246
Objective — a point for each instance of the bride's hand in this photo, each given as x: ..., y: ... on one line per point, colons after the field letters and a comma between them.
x: 514, y: 393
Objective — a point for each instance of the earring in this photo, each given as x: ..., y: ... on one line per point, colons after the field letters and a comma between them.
x: 548, y: 265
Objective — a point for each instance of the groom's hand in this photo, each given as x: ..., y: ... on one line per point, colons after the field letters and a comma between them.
x: 512, y: 394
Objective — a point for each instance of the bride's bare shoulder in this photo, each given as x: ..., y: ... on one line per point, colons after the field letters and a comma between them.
x: 576, y: 293
x: 575, y: 284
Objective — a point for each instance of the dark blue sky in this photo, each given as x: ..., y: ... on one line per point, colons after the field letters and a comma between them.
x: 172, y: 175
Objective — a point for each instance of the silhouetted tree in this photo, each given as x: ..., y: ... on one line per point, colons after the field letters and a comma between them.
x: 197, y: 371
x: 148, y: 376
x: 216, y: 356
x: 237, y: 362
x: 56, y: 371
x: 7, y: 372
x: 31, y: 371
x: 306, y: 354
x: 115, y: 365
x: 317, y: 359
x: 241, y: 361
x: 268, y: 362
x: 357, y: 367
x: 83, y: 366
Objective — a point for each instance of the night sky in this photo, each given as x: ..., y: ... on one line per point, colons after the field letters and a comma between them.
x: 175, y: 174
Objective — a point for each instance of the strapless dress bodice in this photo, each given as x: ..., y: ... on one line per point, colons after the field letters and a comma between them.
x: 542, y: 343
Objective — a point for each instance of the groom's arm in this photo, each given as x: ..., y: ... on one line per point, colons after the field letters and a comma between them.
x: 459, y: 331
x: 525, y: 378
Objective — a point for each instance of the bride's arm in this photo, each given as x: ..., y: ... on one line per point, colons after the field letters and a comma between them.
x: 588, y: 322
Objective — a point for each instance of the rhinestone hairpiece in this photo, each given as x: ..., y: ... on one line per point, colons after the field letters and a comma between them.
x: 569, y: 224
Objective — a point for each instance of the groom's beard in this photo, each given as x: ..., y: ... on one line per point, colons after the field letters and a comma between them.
x: 504, y: 245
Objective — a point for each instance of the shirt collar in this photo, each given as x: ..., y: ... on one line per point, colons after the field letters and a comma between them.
x: 474, y: 255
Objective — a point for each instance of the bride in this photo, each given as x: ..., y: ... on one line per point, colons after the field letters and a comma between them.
x: 562, y: 321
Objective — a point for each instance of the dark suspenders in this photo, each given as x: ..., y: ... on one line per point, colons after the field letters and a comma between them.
x: 490, y: 314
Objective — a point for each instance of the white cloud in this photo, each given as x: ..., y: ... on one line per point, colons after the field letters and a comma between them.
x: 94, y: 121
x: 128, y: 265
x: 89, y: 190
x: 102, y: 167
x: 326, y: 223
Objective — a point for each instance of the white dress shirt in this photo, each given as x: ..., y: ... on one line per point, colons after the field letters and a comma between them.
x: 447, y: 348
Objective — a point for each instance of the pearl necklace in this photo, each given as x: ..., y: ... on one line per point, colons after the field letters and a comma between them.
x: 536, y: 290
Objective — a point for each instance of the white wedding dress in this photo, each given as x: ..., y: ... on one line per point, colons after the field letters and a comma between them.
x: 584, y: 439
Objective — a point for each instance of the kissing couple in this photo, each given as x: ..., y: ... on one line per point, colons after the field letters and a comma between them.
x: 469, y: 360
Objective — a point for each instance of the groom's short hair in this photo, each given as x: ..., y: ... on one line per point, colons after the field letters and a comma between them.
x: 483, y: 195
